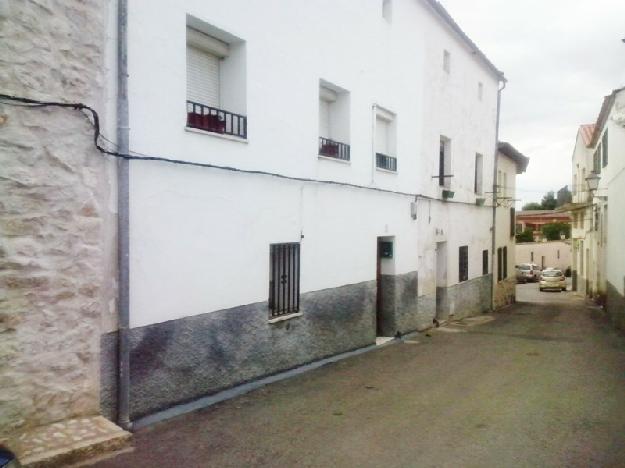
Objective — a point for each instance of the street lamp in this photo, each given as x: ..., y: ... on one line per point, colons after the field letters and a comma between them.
x: 593, y: 181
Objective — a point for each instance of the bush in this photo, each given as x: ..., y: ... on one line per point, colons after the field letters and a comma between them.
x: 525, y: 236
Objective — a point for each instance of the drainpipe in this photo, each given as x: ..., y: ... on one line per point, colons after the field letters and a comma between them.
x: 123, y: 352
x: 495, y: 193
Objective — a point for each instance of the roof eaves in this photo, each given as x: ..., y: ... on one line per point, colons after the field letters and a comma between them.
x: 510, y: 151
x: 608, y: 102
x: 447, y: 18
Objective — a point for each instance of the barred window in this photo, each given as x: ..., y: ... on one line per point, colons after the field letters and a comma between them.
x: 500, y: 263
x: 484, y: 262
x: 463, y: 263
x: 512, y: 222
x: 505, y: 262
x: 284, y: 274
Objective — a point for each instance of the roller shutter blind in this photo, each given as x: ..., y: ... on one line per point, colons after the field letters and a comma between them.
x: 202, y: 77
x: 381, y: 136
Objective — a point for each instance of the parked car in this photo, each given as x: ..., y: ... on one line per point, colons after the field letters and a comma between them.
x: 527, y: 272
x: 552, y: 279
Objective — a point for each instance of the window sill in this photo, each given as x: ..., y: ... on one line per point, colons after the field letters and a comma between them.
x: 386, y: 171
x: 216, y: 135
x: 285, y: 317
x: 330, y: 158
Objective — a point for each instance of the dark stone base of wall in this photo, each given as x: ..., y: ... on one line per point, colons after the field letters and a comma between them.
x: 615, y: 306
x: 182, y: 360
x: 468, y: 298
x: 400, y: 305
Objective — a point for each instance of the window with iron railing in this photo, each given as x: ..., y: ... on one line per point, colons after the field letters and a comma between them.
x: 212, y: 119
x: 333, y: 121
x: 284, y: 279
x: 383, y: 161
x: 215, y: 75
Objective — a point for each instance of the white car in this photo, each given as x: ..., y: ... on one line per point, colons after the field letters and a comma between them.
x: 552, y: 279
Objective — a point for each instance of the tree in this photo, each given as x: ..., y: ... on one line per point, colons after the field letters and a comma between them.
x: 532, y: 206
x: 549, y: 201
x: 553, y: 231
x: 525, y: 236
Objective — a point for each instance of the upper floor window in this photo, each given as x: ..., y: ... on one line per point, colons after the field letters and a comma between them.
x: 479, y: 168
x: 444, y: 162
x: 480, y: 91
x: 596, y: 159
x: 385, y: 140
x: 215, y: 83
x: 387, y: 10
x: 446, y: 61
x: 333, y: 122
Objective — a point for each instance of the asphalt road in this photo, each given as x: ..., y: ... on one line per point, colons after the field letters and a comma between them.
x: 543, y: 384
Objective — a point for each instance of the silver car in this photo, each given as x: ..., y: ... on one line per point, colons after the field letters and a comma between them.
x: 527, y: 272
x: 552, y: 279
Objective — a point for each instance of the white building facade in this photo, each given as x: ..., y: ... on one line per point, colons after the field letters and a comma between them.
x: 323, y: 177
x: 350, y: 146
x: 598, y: 256
x: 510, y: 162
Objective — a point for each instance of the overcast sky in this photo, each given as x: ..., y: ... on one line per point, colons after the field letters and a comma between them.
x: 560, y: 57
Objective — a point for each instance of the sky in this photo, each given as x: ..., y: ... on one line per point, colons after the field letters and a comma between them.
x: 560, y: 58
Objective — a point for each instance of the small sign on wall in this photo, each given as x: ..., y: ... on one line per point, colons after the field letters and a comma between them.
x: 386, y: 249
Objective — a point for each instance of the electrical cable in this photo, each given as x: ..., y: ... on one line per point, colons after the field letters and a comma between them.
x: 134, y: 156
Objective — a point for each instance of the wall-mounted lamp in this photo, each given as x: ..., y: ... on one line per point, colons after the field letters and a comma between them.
x: 593, y: 181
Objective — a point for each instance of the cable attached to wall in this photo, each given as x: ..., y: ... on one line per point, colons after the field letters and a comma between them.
x: 134, y: 156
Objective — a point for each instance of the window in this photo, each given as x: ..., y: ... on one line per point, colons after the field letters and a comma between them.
x: 480, y: 91
x: 284, y: 269
x: 385, y: 140
x: 558, y: 254
x: 604, y: 146
x: 446, y: 61
x: 596, y: 160
x: 463, y: 263
x: 484, y: 262
x: 505, y: 262
x: 479, y: 168
x: 387, y: 10
x: 444, y: 162
x: 333, y: 122
x: 215, y: 82
x: 499, y: 264
x: 531, y: 256
x: 512, y: 221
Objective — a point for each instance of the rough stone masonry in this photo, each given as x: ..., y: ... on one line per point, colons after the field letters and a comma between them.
x: 57, y: 257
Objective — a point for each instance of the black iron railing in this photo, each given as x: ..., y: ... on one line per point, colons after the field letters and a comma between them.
x: 333, y: 149
x: 284, y: 272
x: 216, y: 120
x: 383, y: 161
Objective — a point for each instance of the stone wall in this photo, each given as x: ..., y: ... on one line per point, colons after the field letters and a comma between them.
x: 505, y: 292
x: 56, y: 225
x: 615, y: 306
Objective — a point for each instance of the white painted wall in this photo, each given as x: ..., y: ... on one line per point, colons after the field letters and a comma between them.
x: 551, y: 250
x: 506, y: 195
x: 200, y: 238
x: 613, y: 185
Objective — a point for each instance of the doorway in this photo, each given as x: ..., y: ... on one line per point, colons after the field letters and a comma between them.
x: 441, y: 281
x: 385, y: 270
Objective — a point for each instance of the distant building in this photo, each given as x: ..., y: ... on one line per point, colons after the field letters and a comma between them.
x: 536, y: 219
x: 510, y: 162
x: 548, y: 254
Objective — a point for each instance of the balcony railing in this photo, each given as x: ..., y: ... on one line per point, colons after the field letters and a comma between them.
x: 388, y: 163
x: 333, y: 149
x: 211, y: 119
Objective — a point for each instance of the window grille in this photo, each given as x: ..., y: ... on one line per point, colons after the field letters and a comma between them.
x: 463, y: 263
x: 284, y: 279
x: 484, y: 262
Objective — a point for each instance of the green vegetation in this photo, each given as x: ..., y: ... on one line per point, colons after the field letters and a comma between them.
x: 553, y: 231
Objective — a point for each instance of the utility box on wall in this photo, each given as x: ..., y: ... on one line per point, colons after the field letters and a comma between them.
x: 386, y: 249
